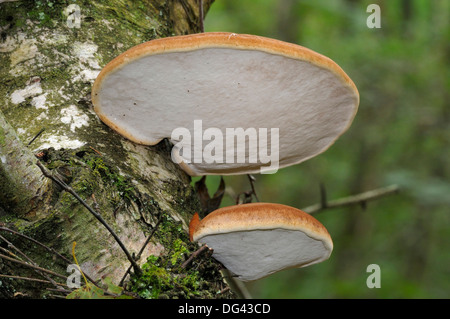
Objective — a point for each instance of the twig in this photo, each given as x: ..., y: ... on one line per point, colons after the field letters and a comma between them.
x: 8, y: 252
x: 64, y: 291
x: 30, y: 279
x: 43, y: 246
x: 358, y: 199
x: 195, y: 254
x: 95, y: 150
x: 28, y: 259
x: 251, y: 178
x: 136, y: 268
x: 32, y: 266
x: 51, y: 295
x: 36, y: 242
x: 237, y: 286
x: 248, y: 195
x: 224, y: 290
x: 142, y: 249
x: 201, y: 15
x: 36, y: 136
x: 323, y: 196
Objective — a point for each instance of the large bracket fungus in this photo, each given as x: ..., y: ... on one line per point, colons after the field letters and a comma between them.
x: 227, y: 81
x: 255, y: 240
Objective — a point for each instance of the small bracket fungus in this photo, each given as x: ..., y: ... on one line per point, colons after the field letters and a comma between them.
x: 283, y: 103
x: 255, y: 240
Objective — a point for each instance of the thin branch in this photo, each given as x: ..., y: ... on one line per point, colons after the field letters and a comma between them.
x: 201, y: 15
x: 51, y: 295
x: 149, y: 238
x: 323, y: 196
x: 32, y: 266
x: 194, y: 255
x: 36, y: 136
x: 224, y: 290
x: 30, y: 279
x: 252, y: 179
x: 43, y: 246
x: 93, y: 212
x: 36, y: 242
x: 358, y: 199
x: 28, y: 259
x: 236, y: 285
x: 8, y: 252
x: 142, y: 249
x: 248, y: 195
x: 63, y: 291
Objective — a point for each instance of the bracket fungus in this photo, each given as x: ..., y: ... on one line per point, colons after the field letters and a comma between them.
x: 255, y: 240
x: 238, y: 87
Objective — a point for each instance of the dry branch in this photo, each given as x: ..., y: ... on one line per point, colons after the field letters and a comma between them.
x: 51, y: 250
x: 358, y: 199
x: 33, y: 266
x: 136, y: 268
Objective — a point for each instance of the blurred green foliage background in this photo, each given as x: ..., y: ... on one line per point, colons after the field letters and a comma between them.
x: 400, y: 136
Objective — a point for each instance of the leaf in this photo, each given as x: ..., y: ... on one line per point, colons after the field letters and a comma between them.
x: 207, y: 203
x: 112, y: 288
x: 86, y: 292
x: 214, y: 202
x: 202, y: 192
x: 91, y: 291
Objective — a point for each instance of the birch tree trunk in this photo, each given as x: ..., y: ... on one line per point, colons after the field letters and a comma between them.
x: 50, y: 54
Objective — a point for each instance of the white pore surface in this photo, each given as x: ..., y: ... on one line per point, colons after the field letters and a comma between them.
x: 226, y: 88
x: 251, y: 255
